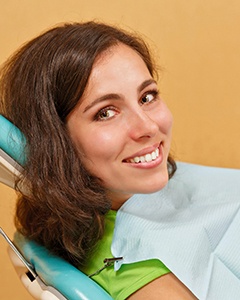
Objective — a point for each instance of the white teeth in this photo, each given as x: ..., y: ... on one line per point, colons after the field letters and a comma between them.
x: 154, y: 155
x: 136, y: 159
x: 146, y: 158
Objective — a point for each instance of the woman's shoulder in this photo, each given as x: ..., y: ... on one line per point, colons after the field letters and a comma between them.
x: 131, y: 277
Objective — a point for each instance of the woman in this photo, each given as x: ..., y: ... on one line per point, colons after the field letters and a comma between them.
x: 86, y: 98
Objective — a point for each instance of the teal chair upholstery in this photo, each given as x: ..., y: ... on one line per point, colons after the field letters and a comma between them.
x: 54, y: 274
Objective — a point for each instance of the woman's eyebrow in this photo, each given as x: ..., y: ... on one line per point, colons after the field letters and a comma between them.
x: 101, y: 99
x: 113, y: 96
x: 146, y: 83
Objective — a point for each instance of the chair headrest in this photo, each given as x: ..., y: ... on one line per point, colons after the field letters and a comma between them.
x: 12, y: 152
x: 12, y: 141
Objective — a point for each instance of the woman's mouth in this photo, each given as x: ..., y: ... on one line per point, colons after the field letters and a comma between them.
x: 145, y: 158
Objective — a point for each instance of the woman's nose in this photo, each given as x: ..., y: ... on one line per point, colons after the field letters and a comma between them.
x: 141, y: 125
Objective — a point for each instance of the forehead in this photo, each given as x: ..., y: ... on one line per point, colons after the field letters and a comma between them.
x: 116, y: 53
x: 116, y: 64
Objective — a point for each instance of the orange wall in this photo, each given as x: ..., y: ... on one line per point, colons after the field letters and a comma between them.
x: 197, y: 45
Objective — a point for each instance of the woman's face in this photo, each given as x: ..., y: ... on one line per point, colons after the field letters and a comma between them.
x: 121, y: 127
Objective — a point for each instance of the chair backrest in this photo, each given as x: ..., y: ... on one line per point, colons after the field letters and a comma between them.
x: 54, y: 271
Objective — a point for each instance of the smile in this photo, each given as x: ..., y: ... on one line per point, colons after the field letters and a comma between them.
x: 145, y: 158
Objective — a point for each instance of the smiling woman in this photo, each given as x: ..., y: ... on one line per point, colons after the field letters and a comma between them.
x: 123, y: 112
x: 97, y: 131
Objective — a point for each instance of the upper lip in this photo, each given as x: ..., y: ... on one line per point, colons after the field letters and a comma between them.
x: 144, y: 151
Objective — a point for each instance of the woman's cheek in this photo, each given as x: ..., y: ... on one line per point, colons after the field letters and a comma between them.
x: 166, y: 120
x: 102, y: 143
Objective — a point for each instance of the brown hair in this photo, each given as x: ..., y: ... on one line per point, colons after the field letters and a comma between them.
x: 63, y: 207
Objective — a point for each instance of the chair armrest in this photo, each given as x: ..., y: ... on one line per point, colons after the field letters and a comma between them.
x: 34, y: 285
x: 56, y: 272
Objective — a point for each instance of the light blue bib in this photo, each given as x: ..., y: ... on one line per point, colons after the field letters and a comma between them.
x: 192, y: 226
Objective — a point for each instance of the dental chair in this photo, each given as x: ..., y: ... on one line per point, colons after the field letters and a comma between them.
x: 45, y: 276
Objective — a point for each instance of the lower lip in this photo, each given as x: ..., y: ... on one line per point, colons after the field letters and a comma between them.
x: 152, y: 164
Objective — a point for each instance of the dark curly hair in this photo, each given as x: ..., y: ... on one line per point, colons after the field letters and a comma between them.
x: 62, y: 206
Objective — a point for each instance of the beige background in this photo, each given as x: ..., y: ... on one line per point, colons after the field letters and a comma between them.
x: 197, y: 44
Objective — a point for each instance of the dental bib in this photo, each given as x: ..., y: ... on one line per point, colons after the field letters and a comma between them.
x: 192, y: 226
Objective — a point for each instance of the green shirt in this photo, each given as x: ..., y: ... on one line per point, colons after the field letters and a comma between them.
x: 131, y: 277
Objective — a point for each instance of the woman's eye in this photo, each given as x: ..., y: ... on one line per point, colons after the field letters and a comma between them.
x: 105, y: 114
x: 149, y: 97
